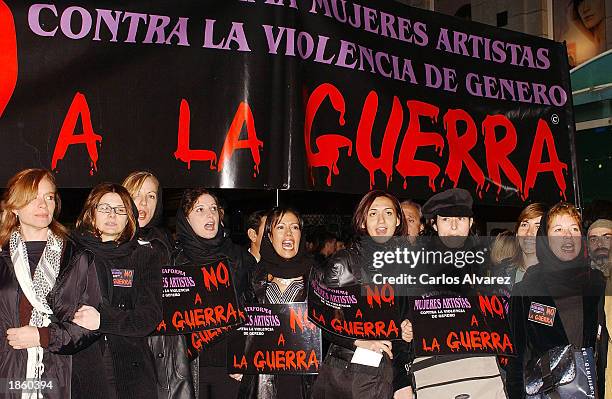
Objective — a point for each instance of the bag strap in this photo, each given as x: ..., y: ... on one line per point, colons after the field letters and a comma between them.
x: 435, y: 360
x: 547, y: 378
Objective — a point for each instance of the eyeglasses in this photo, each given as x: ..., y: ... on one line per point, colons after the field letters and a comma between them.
x: 106, y: 208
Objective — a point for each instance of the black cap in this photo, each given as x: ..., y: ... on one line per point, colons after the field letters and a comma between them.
x: 452, y: 202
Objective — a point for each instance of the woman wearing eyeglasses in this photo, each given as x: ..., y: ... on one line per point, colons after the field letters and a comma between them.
x: 130, y: 281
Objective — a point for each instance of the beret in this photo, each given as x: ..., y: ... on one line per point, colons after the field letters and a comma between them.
x: 452, y: 202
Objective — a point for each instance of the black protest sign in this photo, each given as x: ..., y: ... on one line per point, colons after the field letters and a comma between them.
x: 197, y: 298
x: 457, y: 324
x: 199, y: 341
x: 275, y: 339
x: 358, y: 311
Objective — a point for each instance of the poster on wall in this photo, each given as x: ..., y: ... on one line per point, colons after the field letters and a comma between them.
x: 582, y: 25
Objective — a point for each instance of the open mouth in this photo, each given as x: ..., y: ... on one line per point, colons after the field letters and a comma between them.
x: 381, y: 230
x: 209, y: 226
x: 288, y: 244
x: 142, y: 215
x: 568, y: 247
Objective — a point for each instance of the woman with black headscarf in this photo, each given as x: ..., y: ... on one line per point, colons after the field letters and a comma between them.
x: 201, y: 241
x: 562, y: 283
x: 120, y: 364
x: 170, y: 352
x: 280, y: 277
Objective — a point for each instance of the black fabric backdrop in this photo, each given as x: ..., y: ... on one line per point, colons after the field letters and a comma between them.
x: 134, y: 87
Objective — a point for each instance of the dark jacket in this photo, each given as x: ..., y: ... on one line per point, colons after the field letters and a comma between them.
x: 75, y: 285
x: 127, y: 317
x: 344, y: 269
x: 249, y: 387
x: 532, y: 339
x: 172, y: 365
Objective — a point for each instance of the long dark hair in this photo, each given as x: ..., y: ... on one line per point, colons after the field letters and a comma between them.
x: 361, y: 213
x: 191, y: 195
x: 275, y: 215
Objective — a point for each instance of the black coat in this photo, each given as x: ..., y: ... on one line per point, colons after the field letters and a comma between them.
x: 127, y: 317
x: 532, y: 339
x: 174, y: 378
x: 344, y: 269
x: 75, y: 285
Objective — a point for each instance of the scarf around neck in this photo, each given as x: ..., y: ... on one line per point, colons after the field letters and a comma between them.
x: 36, y: 290
x: 277, y: 266
x: 563, y: 278
x: 199, y: 249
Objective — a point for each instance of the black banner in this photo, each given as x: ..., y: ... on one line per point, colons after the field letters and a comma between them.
x: 316, y: 94
x: 276, y: 339
x: 350, y: 313
x: 198, y: 298
x: 456, y: 324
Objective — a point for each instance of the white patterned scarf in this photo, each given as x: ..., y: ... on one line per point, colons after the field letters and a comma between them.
x: 36, y: 290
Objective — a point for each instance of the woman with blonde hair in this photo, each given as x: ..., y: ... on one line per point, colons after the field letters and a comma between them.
x: 174, y: 377
x: 504, y: 247
x: 524, y: 255
x: 35, y: 254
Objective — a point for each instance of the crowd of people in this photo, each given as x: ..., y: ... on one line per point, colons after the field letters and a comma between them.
x: 79, y: 308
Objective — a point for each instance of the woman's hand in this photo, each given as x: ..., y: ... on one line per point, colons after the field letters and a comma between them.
x: 376, y: 346
x: 23, y: 337
x: 87, y: 317
x: 407, y: 334
x: 237, y: 377
x: 404, y: 393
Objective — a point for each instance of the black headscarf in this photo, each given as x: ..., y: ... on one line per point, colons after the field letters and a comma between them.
x: 199, y: 249
x: 563, y: 278
x: 274, y: 264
